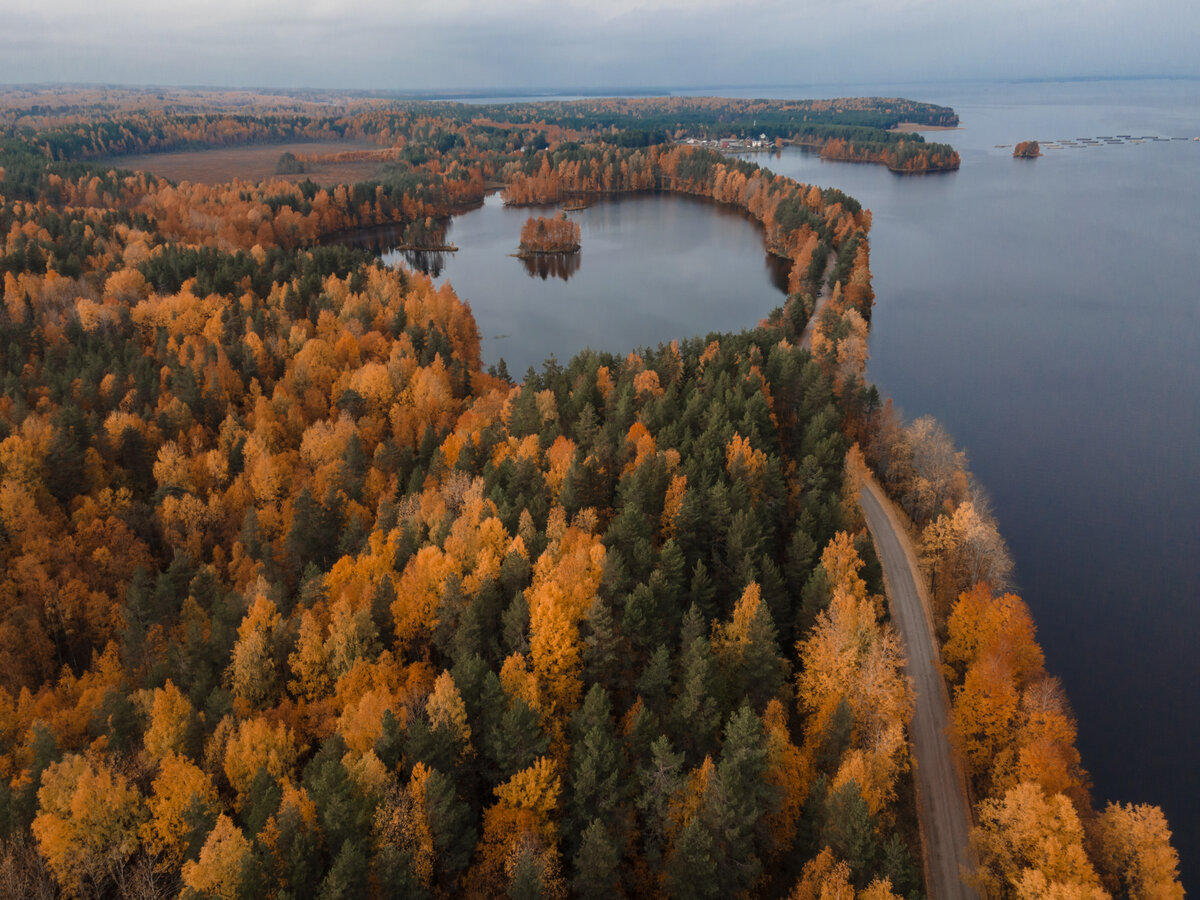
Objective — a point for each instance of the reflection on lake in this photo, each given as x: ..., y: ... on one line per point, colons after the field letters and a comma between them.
x: 551, y: 265
x: 380, y: 239
x: 389, y: 239
x: 431, y: 262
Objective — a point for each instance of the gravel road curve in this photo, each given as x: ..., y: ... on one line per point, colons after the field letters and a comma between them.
x: 941, y: 796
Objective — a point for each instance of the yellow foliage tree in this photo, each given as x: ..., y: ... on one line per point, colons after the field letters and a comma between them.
x: 827, y: 878
x: 182, y: 796
x: 646, y: 382
x: 842, y: 564
x: 640, y: 446
x: 352, y: 634
x: 87, y: 823
x: 688, y: 800
x: 789, y: 772
x: 223, y: 859
x: 730, y: 639
x: 253, y: 669
x: 1028, y: 845
x: 961, y: 549
x: 419, y: 592
x: 1045, y: 742
x: 446, y: 709
x: 309, y: 662
x: 536, y: 790
x: 171, y: 717
x: 524, y: 814
x: 559, y: 457
x: 673, y: 505
x: 518, y: 681
x: 985, y: 708
x: 849, y: 655
x: 982, y: 622
x: 414, y: 831
x: 256, y: 744
x: 1135, y: 852
x: 565, y: 580
x: 743, y: 462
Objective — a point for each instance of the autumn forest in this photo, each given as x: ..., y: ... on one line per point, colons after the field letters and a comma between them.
x: 300, y: 599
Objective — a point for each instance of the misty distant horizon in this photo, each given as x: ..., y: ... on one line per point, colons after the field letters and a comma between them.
x: 552, y: 91
x: 569, y: 45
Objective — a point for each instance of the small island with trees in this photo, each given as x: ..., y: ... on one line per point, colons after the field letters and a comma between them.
x: 1027, y: 150
x: 543, y: 236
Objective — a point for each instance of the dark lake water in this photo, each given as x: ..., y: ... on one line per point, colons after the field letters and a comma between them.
x: 1047, y: 312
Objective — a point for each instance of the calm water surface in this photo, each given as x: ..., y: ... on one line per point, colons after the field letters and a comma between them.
x: 1047, y: 312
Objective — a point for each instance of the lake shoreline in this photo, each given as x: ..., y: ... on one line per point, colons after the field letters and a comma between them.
x: 916, y: 127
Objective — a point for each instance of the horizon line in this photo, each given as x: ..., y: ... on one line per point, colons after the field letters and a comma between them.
x: 596, y: 90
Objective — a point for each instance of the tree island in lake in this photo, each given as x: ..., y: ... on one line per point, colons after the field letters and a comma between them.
x: 542, y: 236
x: 1027, y: 150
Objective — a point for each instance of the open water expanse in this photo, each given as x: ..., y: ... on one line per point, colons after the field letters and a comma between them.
x: 1047, y: 312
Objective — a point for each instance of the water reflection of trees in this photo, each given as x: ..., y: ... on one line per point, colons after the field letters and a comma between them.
x: 778, y: 269
x: 379, y: 240
x: 384, y: 239
x: 547, y: 265
x: 429, y: 262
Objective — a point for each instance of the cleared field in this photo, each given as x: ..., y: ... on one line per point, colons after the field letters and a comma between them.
x: 218, y: 165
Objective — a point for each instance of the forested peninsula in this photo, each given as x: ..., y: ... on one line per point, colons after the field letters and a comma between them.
x: 300, y: 600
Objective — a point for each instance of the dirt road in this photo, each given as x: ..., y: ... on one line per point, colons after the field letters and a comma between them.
x: 823, y: 296
x: 941, y: 798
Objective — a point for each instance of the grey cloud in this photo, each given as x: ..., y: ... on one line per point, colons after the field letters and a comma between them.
x: 569, y: 43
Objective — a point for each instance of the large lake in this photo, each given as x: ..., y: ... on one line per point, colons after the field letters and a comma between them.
x: 1047, y: 312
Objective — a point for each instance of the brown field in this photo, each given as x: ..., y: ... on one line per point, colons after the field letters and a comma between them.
x: 253, y: 163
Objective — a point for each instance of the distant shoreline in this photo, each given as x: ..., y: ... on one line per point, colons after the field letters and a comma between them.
x: 913, y: 127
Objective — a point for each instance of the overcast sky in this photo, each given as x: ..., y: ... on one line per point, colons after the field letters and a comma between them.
x: 390, y: 45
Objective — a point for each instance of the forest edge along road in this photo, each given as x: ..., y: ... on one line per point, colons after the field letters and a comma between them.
x: 941, y: 798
